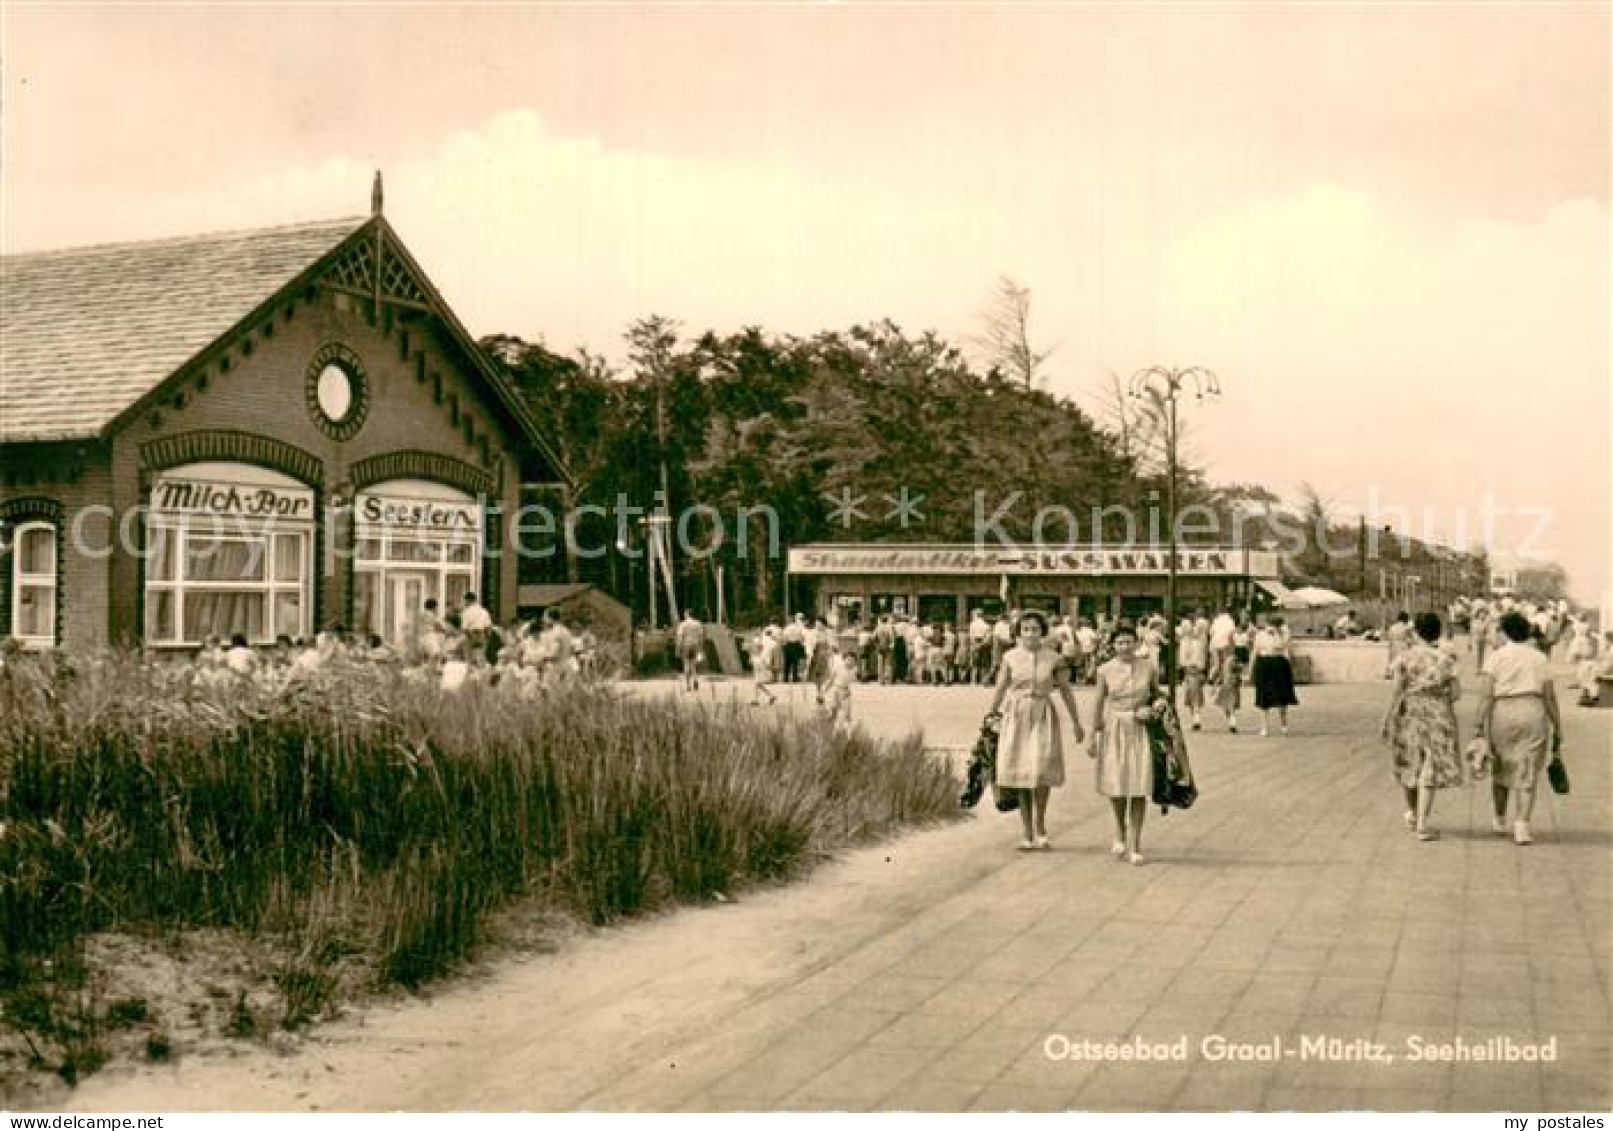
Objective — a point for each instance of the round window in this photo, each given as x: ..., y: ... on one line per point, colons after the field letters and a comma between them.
x: 335, y: 393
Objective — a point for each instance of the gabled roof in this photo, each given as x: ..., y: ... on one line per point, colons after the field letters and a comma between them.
x: 86, y: 332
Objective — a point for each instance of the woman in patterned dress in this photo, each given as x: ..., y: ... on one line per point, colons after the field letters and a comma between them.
x: 1030, y: 751
x: 1127, y: 685
x: 1420, y: 724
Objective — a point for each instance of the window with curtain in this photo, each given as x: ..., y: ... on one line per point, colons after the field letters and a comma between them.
x: 33, y: 585
x: 201, y: 583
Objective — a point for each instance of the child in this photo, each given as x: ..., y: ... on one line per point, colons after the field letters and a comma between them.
x: 762, y: 660
x: 837, y: 692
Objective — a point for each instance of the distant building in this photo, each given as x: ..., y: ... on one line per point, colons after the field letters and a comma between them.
x: 944, y: 582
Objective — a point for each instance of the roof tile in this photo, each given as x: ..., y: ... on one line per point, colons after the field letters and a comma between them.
x: 86, y: 332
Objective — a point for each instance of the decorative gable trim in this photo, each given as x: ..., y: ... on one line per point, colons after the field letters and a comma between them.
x: 422, y: 465
x: 372, y: 269
x: 232, y: 447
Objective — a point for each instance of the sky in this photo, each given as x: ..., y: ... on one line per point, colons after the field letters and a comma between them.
x: 1384, y: 227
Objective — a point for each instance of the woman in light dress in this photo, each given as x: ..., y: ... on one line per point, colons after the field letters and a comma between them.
x: 1030, y: 747
x: 1127, y: 685
x: 1194, y: 658
x: 1420, y: 724
x: 1518, y: 714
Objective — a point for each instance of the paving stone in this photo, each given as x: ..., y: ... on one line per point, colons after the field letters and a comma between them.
x: 860, y: 1079
x: 1418, y: 1008
x: 1149, y: 1088
x: 930, y: 1092
x: 923, y: 1030
x: 988, y: 1052
x: 1022, y: 1097
x: 1276, y: 992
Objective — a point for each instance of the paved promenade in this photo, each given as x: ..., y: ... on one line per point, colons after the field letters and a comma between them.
x: 936, y: 972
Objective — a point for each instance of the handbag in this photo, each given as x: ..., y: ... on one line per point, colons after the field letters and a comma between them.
x: 1480, y: 757
x: 1557, y: 775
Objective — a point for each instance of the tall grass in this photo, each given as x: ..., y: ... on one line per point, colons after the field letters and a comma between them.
x: 367, y: 812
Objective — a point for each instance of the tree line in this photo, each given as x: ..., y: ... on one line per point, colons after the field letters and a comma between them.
x: 829, y: 433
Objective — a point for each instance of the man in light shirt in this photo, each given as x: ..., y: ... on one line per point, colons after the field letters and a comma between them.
x: 476, y: 623
x: 1222, y: 630
x: 691, y: 641
x: 1002, y: 639
x: 979, y: 646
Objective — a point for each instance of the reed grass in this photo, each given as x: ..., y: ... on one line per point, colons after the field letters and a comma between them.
x: 365, y: 812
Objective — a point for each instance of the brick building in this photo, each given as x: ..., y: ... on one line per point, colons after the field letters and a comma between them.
x: 266, y: 432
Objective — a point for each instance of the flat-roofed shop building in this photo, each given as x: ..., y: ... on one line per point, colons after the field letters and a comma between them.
x: 264, y: 432
x: 941, y: 583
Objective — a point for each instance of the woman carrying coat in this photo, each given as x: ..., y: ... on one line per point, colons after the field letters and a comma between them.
x: 1127, y: 687
x: 1030, y: 749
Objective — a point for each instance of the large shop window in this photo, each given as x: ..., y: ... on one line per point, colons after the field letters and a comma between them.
x: 228, y: 552
x: 416, y: 541
x: 33, y: 585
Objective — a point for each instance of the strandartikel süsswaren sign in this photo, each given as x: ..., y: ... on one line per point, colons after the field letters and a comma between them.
x: 1208, y: 562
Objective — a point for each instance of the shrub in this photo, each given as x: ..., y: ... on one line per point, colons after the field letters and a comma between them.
x: 364, y: 811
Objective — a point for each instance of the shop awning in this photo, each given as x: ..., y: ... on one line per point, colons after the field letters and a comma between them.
x: 1279, y: 592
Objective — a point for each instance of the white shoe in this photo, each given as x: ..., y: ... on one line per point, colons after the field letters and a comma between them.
x: 1410, y: 818
x: 1520, y: 833
x: 1264, y: 733
x: 1117, y: 849
x: 1137, y: 859
x: 1498, y: 826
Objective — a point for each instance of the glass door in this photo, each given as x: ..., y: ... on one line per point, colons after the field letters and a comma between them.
x: 406, y: 599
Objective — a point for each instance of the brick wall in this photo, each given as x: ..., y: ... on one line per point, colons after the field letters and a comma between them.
x: 429, y: 415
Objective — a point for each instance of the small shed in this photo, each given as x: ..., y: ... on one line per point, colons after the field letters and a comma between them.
x: 581, y: 605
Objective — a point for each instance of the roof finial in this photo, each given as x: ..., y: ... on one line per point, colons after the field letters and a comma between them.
x: 375, y: 195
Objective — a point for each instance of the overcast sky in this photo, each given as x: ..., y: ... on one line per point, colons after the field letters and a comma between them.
x: 1385, y: 228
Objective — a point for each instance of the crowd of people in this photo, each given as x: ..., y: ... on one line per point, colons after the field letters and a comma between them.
x: 463, y: 646
x: 1216, y: 655
x: 1031, y: 658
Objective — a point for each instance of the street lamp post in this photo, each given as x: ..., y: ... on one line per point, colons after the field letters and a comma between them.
x: 1163, y: 385
x: 625, y: 548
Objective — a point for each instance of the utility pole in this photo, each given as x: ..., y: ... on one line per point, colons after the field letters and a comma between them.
x: 664, y: 549
x: 1164, y: 385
